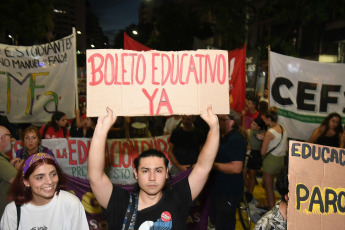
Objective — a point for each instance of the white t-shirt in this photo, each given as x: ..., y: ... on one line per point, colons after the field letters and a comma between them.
x: 63, y: 212
x: 281, y: 148
x: 171, y: 124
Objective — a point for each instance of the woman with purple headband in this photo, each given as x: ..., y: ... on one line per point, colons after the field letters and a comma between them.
x: 39, y: 201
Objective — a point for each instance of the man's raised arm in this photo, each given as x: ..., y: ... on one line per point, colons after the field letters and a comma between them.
x: 203, y: 166
x: 100, y: 183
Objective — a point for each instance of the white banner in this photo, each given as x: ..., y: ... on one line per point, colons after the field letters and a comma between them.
x: 305, y: 92
x: 36, y: 81
x: 72, y: 155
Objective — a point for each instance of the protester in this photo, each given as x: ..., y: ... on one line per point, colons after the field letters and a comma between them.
x: 170, y: 124
x: 185, y: 144
x: 250, y: 113
x: 273, y: 150
x: 329, y: 132
x: 276, y: 218
x: 31, y: 140
x: 82, y: 126
x: 155, y: 207
x: 7, y: 170
x: 262, y: 108
x: 57, y: 127
x: 227, y: 178
x: 37, y: 191
x: 256, y: 133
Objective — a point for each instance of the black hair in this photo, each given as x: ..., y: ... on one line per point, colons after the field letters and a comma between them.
x: 325, y: 122
x: 272, y: 113
x: 282, y: 184
x: 151, y: 153
x: 233, y: 115
x: 253, y: 99
x: 55, y: 117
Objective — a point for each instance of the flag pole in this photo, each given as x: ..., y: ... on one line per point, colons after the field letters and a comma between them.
x: 268, y: 75
x: 76, y: 71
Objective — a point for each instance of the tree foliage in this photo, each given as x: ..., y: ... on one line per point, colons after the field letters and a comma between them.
x: 26, y: 20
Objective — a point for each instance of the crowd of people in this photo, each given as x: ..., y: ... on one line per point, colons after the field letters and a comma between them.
x: 213, y: 147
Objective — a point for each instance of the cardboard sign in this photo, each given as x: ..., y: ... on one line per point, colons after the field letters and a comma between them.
x: 152, y: 83
x: 316, y: 187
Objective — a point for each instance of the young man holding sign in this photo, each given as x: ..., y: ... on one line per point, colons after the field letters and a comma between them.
x: 153, y: 206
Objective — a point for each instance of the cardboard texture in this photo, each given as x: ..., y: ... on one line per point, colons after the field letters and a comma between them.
x: 316, y: 187
x: 150, y: 83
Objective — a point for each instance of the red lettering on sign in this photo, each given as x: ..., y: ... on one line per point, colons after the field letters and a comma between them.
x: 123, y: 55
x: 192, y: 69
x: 169, y: 71
x: 83, y: 151
x: 150, y: 99
x: 181, y: 68
x: 95, y: 70
x: 125, y: 148
x: 164, y: 101
x: 154, y: 68
x: 112, y: 154
x: 71, y: 151
x: 132, y: 65
x: 200, y: 57
x: 212, y: 71
x: 110, y: 58
x: 141, y: 58
x: 221, y: 60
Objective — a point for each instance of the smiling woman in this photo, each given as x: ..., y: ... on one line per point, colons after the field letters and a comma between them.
x: 37, y: 191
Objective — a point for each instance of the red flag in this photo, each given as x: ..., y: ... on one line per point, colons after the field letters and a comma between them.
x: 131, y: 44
x: 237, y: 83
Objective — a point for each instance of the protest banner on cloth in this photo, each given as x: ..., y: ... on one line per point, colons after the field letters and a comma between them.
x: 316, y: 186
x: 38, y: 80
x: 151, y: 83
x: 305, y: 92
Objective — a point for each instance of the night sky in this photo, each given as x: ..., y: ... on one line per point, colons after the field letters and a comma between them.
x: 115, y: 15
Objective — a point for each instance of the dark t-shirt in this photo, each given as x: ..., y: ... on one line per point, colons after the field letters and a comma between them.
x: 329, y: 141
x: 170, y: 212
x: 232, y: 147
x: 187, y: 144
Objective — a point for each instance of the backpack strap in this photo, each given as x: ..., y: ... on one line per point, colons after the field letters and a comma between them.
x: 18, y: 215
x: 131, y: 214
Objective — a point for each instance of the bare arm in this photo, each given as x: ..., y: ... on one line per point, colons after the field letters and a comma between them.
x: 316, y: 134
x: 198, y: 177
x: 268, y: 137
x: 100, y: 183
x: 79, y: 123
x: 233, y: 167
x: 342, y: 140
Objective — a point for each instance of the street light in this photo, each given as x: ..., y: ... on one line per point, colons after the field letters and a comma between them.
x: 92, y: 45
x: 11, y: 38
x: 135, y: 32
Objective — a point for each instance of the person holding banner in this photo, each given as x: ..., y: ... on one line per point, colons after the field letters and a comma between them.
x: 57, y: 127
x: 39, y: 201
x: 330, y: 132
x: 155, y: 205
x: 273, y: 151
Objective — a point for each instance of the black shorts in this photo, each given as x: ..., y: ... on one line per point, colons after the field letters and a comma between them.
x: 254, y: 161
